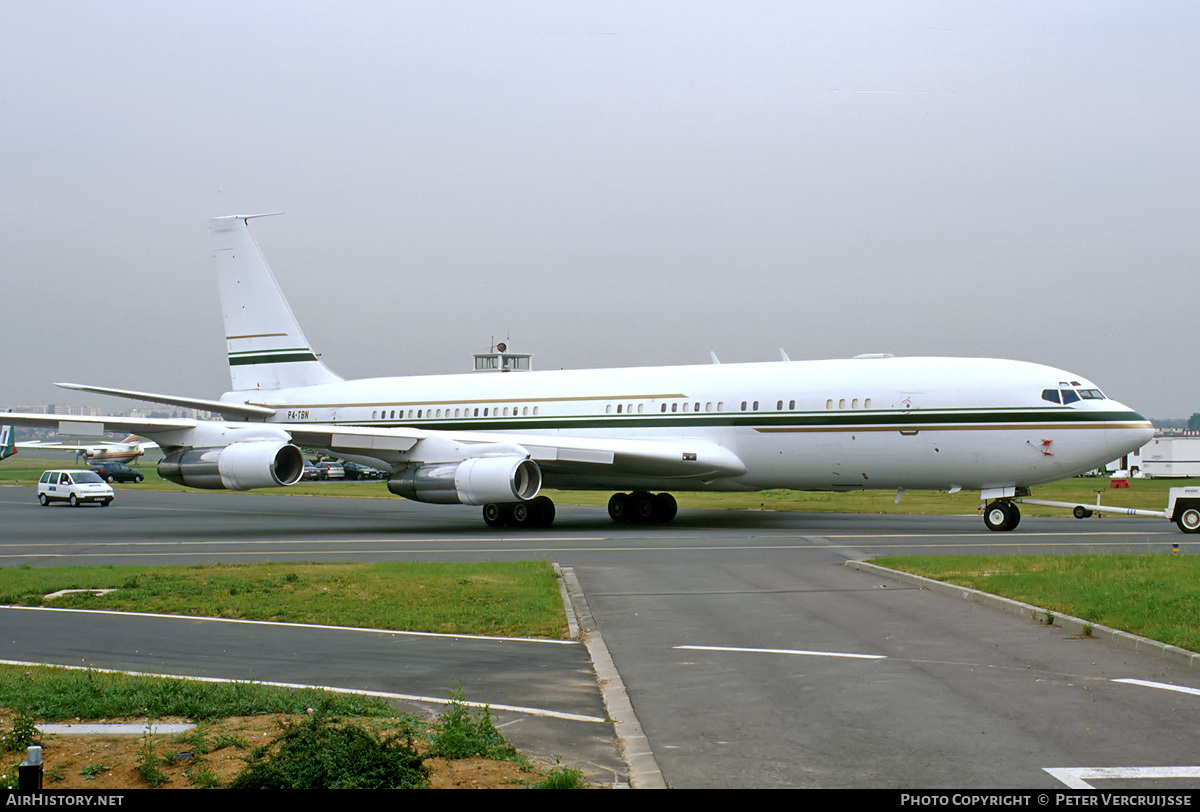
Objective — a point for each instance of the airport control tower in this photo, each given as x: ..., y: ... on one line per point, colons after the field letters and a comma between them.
x: 501, y: 360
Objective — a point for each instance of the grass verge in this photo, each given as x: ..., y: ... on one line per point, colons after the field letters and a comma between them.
x: 519, y: 598
x: 59, y: 694
x: 1155, y: 596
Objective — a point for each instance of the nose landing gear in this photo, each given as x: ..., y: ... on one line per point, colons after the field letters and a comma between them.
x: 1001, y: 515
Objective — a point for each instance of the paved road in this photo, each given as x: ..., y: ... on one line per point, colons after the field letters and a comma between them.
x: 753, y: 657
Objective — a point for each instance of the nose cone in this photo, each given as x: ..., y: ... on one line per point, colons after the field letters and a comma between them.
x: 1131, y: 432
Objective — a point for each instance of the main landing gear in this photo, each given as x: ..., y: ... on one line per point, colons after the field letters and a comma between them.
x: 641, y: 507
x: 537, y: 512
x: 1001, y: 515
x: 638, y: 507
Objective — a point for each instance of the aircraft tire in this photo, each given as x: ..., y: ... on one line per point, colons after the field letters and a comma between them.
x: 642, y: 507
x: 665, y: 508
x: 1001, y: 516
x: 542, y: 508
x: 495, y: 515
x: 1080, y: 512
x: 619, y: 507
x: 1189, y: 520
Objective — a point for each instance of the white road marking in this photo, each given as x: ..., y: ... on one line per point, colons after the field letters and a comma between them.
x: 574, y: 717
x: 394, y: 632
x: 788, y: 651
x: 1074, y: 777
x: 1163, y: 685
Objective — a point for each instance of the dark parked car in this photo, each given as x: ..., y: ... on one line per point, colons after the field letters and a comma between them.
x: 356, y: 471
x: 117, y: 472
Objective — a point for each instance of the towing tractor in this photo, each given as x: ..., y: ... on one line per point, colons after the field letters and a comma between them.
x: 1183, y: 508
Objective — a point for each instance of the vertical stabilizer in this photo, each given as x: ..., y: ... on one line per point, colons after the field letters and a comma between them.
x: 267, y: 348
x: 8, y: 442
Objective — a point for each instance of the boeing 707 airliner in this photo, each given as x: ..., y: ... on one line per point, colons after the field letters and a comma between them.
x: 495, y: 440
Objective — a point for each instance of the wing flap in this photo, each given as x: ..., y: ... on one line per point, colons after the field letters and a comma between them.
x: 355, y: 439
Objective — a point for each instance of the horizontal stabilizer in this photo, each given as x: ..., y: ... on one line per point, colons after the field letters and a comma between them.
x: 230, y: 411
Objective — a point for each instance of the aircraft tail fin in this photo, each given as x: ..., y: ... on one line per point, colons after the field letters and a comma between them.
x: 267, y: 348
x: 8, y: 442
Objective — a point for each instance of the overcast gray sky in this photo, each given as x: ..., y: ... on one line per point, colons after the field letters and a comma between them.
x: 604, y: 183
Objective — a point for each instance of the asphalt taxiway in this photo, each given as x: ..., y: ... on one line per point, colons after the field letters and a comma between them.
x: 751, y: 655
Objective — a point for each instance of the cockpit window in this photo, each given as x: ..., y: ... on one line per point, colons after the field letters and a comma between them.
x: 1051, y: 395
x: 1069, y: 396
x: 1091, y: 394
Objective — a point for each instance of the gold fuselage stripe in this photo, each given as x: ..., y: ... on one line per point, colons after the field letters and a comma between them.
x: 426, y: 404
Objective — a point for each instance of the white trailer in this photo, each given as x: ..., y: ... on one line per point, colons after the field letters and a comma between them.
x: 1183, y: 508
x: 1165, y: 457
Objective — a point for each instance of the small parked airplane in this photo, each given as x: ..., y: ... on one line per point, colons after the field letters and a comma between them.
x: 98, y: 451
x: 876, y: 422
x: 7, y: 446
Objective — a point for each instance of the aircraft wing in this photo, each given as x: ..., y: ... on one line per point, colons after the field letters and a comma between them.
x: 582, y: 459
x: 555, y: 454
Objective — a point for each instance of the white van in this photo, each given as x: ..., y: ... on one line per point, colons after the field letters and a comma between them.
x: 73, y: 487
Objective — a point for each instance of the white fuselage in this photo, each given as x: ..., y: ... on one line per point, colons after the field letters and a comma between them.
x: 839, y: 424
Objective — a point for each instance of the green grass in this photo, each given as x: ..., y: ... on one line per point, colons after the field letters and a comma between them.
x: 58, y: 694
x: 519, y: 598
x: 1155, y: 596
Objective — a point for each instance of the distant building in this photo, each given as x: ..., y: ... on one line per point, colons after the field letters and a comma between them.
x: 499, y: 359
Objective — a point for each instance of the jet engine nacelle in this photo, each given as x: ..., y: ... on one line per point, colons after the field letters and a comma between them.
x: 476, y: 481
x: 235, y: 467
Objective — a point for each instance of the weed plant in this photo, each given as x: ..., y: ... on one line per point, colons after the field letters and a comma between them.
x: 23, y: 734
x: 150, y: 763
x: 322, y: 753
x: 561, y: 777
x: 461, y: 732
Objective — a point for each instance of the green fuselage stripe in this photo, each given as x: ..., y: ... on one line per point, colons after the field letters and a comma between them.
x: 766, y: 423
